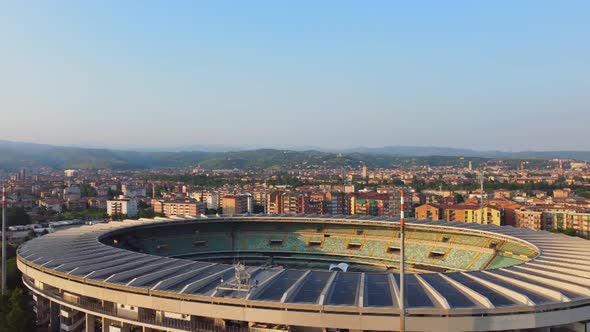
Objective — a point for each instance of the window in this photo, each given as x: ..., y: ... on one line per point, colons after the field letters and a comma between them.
x: 354, y: 246
x: 199, y: 244
x: 276, y: 242
x: 393, y: 250
x: 436, y: 255
x: 314, y: 243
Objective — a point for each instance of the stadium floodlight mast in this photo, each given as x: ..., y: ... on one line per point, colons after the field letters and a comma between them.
x: 3, y: 239
x: 402, y: 287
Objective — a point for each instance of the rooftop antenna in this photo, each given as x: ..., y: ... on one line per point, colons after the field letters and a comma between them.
x: 242, y: 277
x: 402, y: 316
x: 3, y: 239
x: 240, y: 284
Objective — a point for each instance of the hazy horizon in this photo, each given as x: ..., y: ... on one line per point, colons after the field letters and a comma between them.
x: 237, y: 147
x: 507, y: 76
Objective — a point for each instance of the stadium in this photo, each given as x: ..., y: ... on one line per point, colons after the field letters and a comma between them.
x: 305, y: 273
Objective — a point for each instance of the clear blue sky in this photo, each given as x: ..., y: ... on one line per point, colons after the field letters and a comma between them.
x: 507, y: 75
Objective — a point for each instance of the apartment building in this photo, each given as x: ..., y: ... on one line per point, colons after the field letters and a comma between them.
x: 274, y: 202
x: 532, y: 219
x: 122, y: 205
x: 237, y: 204
x: 466, y: 213
x: 179, y: 207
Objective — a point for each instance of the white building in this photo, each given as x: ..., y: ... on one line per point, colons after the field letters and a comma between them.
x: 130, y: 191
x: 122, y: 205
x: 209, y: 197
x: 70, y: 173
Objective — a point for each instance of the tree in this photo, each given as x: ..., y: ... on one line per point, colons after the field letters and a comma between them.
x: 147, y: 213
x: 43, y: 211
x: 88, y: 214
x: 459, y: 198
x: 18, y: 317
x: 87, y: 191
x: 119, y: 216
x: 113, y: 193
x: 13, y: 275
x: 10, y: 251
x: 570, y: 232
x: 17, y: 216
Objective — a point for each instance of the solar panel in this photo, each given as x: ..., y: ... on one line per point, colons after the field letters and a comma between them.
x: 151, y: 279
x: 534, y: 296
x: 496, y: 298
x: 378, y: 292
x: 344, y: 289
x: 179, y: 284
x: 210, y: 286
x: 562, y: 290
x: 454, y: 296
x: 275, y: 290
x: 311, y: 287
x: 416, y: 296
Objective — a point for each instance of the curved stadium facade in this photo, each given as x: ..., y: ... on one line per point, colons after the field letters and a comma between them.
x: 272, y: 273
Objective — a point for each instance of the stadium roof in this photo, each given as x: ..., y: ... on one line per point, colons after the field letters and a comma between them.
x: 560, y: 274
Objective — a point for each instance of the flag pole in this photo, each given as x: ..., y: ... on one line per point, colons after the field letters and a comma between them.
x: 3, y: 239
x: 402, y: 316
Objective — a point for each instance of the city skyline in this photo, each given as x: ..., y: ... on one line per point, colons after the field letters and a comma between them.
x: 295, y: 166
x: 332, y: 74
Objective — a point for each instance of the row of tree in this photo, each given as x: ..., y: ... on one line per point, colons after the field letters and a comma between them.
x: 17, y: 216
x: 15, y: 312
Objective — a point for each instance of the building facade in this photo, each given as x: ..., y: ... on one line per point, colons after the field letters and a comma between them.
x: 122, y: 206
x: 179, y: 207
x: 237, y: 204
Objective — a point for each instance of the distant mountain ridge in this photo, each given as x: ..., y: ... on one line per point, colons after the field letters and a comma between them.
x: 14, y: 155
x: 416, y: 151
x: 412, y: 151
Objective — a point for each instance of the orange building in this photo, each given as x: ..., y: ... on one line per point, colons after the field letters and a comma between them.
x: 429, y: 211
x: 235, y: 204
x: 508, y: 208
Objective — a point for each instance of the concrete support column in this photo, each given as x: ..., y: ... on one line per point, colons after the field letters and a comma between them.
x: 43, y: 307
x: 90, y: 323
x: 159, y: 316
x: 106, y: 325
x: 54, y: 322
